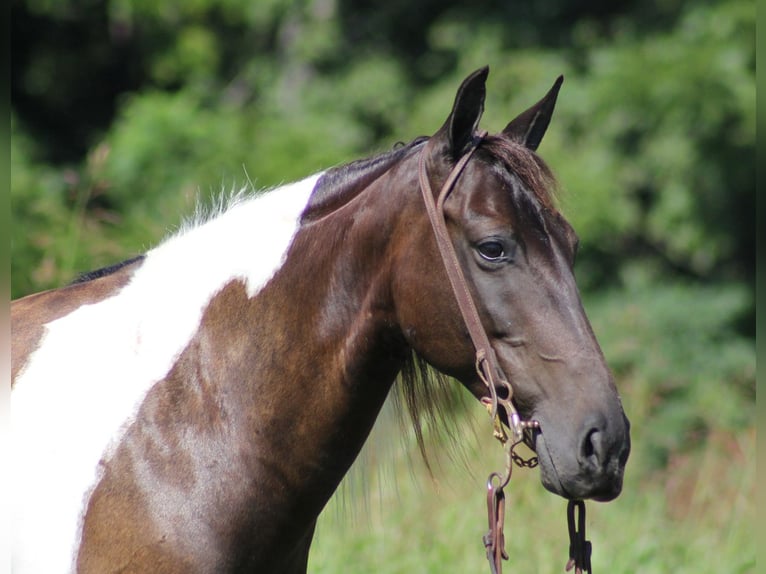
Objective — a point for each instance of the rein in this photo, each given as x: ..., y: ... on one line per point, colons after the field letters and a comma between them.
x: 499, y: 388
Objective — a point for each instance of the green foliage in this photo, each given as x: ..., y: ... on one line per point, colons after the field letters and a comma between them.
x: 650, y: 139
x: 198, y: 144
x: 701, y: 520
x: 64, y: 220
x: 36, y: 197
x: 683, y: 366
x: 127, y: 113
x: 658, y: 152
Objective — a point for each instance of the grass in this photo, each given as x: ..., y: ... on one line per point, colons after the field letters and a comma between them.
x: 698, y: 515
x: 688, y: 503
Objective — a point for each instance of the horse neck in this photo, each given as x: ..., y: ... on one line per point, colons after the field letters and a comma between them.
x: 313, y: 355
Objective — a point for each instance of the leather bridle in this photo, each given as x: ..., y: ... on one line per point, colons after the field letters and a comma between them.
x: 489, y: 371
x: 487, y: 366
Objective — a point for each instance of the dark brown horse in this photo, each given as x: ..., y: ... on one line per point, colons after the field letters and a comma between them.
x: 193, y: 409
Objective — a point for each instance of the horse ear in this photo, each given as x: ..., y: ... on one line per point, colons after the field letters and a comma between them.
x: 458, y: 131
x: 529, y: 127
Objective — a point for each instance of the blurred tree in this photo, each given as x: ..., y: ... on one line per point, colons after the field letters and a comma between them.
x: 664, y: 128
x: 127, y: 110
x: 73, y: 60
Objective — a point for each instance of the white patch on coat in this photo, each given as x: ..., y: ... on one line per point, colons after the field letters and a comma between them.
x: 82, y: 387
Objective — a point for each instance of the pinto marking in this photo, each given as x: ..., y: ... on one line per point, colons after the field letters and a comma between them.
x: 110, y: 354
x: 219, y: 448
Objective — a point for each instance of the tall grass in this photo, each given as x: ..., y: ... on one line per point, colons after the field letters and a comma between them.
x: 696, y: 516
x: 688, y: 505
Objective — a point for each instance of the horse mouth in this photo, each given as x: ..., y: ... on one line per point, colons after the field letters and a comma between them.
x: 560, y: 472
x: 603, y: 487
x: 503, y: 414
x: 549, y: 476
x: 529, y: 432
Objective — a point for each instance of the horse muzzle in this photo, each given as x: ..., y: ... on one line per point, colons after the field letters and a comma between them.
x: 588, y: 464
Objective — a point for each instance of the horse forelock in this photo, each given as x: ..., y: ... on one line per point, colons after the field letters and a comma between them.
x: 526, y: 165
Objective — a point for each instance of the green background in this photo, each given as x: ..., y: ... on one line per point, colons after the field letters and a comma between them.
x: 126, y: 114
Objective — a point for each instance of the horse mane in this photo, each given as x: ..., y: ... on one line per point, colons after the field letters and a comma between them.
x: 429, y: 403
x: 104, y: 271
x: 340, y: 184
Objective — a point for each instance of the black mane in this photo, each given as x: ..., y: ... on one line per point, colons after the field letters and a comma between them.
x: 104, y: 271
x: 340, y: 184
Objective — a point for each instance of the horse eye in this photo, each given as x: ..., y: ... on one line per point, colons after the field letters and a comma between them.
x: 491, y: 250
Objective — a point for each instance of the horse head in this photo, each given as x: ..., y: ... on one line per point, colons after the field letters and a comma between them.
x: 516, y: 252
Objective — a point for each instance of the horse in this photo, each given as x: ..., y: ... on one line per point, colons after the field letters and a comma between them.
x: 194, y: 408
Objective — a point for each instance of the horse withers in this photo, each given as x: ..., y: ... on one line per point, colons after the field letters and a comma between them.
x: 193, y: 409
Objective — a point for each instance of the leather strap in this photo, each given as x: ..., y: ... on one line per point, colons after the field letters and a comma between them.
x: 579, y: 548
x: 492, y: 375
x: 486, y: 361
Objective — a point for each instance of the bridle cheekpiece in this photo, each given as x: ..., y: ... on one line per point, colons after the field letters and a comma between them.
x: 489, y: 371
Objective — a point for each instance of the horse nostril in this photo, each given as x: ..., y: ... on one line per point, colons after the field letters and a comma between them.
x: 599, y: 457
x: 591, y: 447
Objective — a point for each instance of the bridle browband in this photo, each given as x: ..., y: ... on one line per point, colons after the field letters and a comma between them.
x: 489, y: 371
